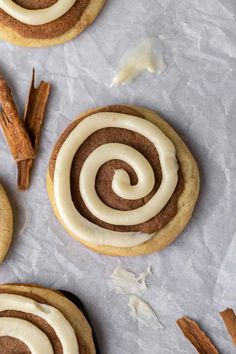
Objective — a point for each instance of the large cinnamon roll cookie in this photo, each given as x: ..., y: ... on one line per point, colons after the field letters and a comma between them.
x: 36, y: 320
x: 45, y: 22
x: 122, y: 181
x: 6, y: 223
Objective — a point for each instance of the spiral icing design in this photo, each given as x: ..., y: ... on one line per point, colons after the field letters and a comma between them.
x: 28, y: 333
x: 121, y: 183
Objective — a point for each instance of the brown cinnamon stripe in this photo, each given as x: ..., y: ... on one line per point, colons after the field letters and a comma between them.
x: 106, y: 172
x: 11, y: 345
x: 48, y: 30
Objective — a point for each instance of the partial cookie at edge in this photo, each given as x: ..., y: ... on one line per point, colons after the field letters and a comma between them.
x: 65, y: 306
x: 6, y: 223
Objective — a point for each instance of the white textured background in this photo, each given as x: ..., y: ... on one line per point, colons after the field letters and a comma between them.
x: 197, y: 94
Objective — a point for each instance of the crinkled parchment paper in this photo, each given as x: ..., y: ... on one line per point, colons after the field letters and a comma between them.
x: 195, y: 276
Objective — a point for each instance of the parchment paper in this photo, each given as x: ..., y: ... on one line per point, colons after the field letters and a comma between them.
x: 197, y: 94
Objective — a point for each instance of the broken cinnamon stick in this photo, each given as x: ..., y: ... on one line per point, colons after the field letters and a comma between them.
x: 12, y: 127
x: 33, y: 119
x: 229, y: 319
x: 196, y: 336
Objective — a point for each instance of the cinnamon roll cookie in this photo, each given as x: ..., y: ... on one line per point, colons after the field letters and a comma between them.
x: 6, y: 223
x: 37, y: 320
x: 122, y: 181
x: 45, y: 22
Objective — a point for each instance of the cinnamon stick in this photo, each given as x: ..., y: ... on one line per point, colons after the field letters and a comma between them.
x: 229, y: 319
x: 33, y: 120
x: 196, y: 336
x: 12, y: 127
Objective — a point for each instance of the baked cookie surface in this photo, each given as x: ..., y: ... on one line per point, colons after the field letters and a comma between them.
x: 153, y: 233
x: 62, y: 29
x: 6, y: 223
x: 48, y: 322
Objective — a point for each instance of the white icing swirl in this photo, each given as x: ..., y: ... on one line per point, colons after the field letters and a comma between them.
x: 51, y: 315
x: 76, y: 223
x: 36, y: 17
x: 35, y: 339
x: 121, y: 184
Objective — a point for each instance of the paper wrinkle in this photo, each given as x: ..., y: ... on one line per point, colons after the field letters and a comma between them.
x: 225, y: 286
x: 196, y: 275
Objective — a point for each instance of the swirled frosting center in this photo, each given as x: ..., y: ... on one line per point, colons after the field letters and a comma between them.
x: 83, y: 228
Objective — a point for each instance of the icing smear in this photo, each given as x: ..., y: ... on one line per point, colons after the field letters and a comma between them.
x: 125, y: 282
x: 146, y: 55
x: 128, y: 283
x: 143, y: 313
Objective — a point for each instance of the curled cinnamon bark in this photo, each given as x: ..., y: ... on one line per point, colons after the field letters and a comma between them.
x: 33, y: 119
x: 13, y: 128
x: 229, y: 319
x: 196, y: 336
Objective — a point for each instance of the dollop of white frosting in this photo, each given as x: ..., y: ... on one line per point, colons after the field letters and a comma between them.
x: 76, y: 223
x: 145, y: 55
x: 36, y: 17
x: 143, y: 313
x: 126, y: 282
x: 50, y: 314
